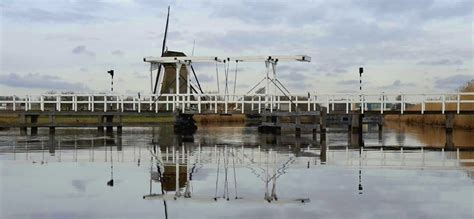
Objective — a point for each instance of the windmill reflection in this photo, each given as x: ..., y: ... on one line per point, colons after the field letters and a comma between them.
x: 174, y: 168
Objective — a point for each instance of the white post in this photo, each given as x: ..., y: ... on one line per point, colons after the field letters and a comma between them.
x: 188, y: 85
x: 118, y: 102
x: 156, y: 104
x: 327, y: 103
x: 309, y: 104
x: 347, y: 105
x: 167, y: 101
x: 178, y: 194
x: 259, y: 104
x: 88, y: 103
x: 243, y: 100
x: 42, y: 102
x: 105, y: 103
x: 14, y: 103
x: 296, y: 102
x: 121, y: 103
x: 458, y: 103
x: 226, y: 99
x: 423, y: 104
x: 26, y: 102
x: 58, y: 103
x: 92, y: 103
x: 75, y: 102
x: 251, y: 105
x: 215, y: 106
x: 289, y: 104
x: 267, y: 81
x: 381, y: 103
x: 139, y: 104
x: 402, y: 105
x: 443, y: 104
x: 199, y: 103
x: 178, y: 68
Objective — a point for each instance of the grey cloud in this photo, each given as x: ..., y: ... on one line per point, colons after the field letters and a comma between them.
x: 40, y: 81
x: 117, y: 52
x: 348, y: 82
x: 395, y: 7
x: 40, y: 15
x: 79, y: 185
x: 294, y: 76
x: 69, y: 37
x: 140, y: 75
x: 453, y: 82
x: 441, y: 62
x: 78, y: 50
x: 423, y: 9
x: 206, y: 78
x: 260, y: 12
x: 397, y: 84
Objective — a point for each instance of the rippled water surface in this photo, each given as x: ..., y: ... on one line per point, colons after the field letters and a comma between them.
x: 232, y: 171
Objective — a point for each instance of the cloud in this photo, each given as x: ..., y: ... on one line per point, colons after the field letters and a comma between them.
x: 40, y: 15
x: 397, y: 84
x: 453, y: 82
x: 78, y: 50
x: 441, y: 62
x: 205, y: 78
x: 246, y: 11
x: 117, y: 52
x: 349, y: 82
x: 41, y: 81
x: 69, y: 37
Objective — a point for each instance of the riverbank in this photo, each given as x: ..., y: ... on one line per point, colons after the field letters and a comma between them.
x: 460, y: 121
x: 12, y: 119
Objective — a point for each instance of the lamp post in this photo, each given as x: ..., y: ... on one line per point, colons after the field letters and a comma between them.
x: 361, y: 70
x: 111, y: 72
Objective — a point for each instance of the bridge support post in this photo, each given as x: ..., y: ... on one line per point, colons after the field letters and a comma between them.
x: 380, y: 123
x: 449, y: 123
x: 23, y: 128
x: 322, y: 124
x: 34, y: 127
x: 184, y: 123
x: 52, y: 123
x: 109, y: 119
x: 356, y: 130
x: 297, y: 126
x: 322, y: 150
x: 52, y: 130
x: 100, y: 128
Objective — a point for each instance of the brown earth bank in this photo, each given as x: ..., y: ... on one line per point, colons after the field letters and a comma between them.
x: 215, y: 118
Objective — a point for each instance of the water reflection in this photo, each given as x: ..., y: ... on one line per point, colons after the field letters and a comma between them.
x: 235, y: 165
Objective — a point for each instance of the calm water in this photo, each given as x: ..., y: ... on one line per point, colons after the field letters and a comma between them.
x: 263, y: 176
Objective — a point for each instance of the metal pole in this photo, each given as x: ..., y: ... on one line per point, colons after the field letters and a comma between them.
x: 361, y: 70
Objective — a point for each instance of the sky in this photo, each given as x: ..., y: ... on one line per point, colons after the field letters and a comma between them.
x: 405, y: 46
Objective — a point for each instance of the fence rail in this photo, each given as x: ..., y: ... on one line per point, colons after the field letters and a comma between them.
x: 226, y: 104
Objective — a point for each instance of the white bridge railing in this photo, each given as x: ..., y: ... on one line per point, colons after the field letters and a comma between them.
x: 226, y: 104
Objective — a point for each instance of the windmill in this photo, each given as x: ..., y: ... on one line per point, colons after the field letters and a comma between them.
x: 165, y: 77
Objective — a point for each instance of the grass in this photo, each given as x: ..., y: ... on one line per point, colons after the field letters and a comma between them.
x: 460, y: 121
x: 219, y: 118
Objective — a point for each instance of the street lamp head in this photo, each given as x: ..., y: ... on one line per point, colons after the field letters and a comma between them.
x: 361, y: 70
x: 111, y: 72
